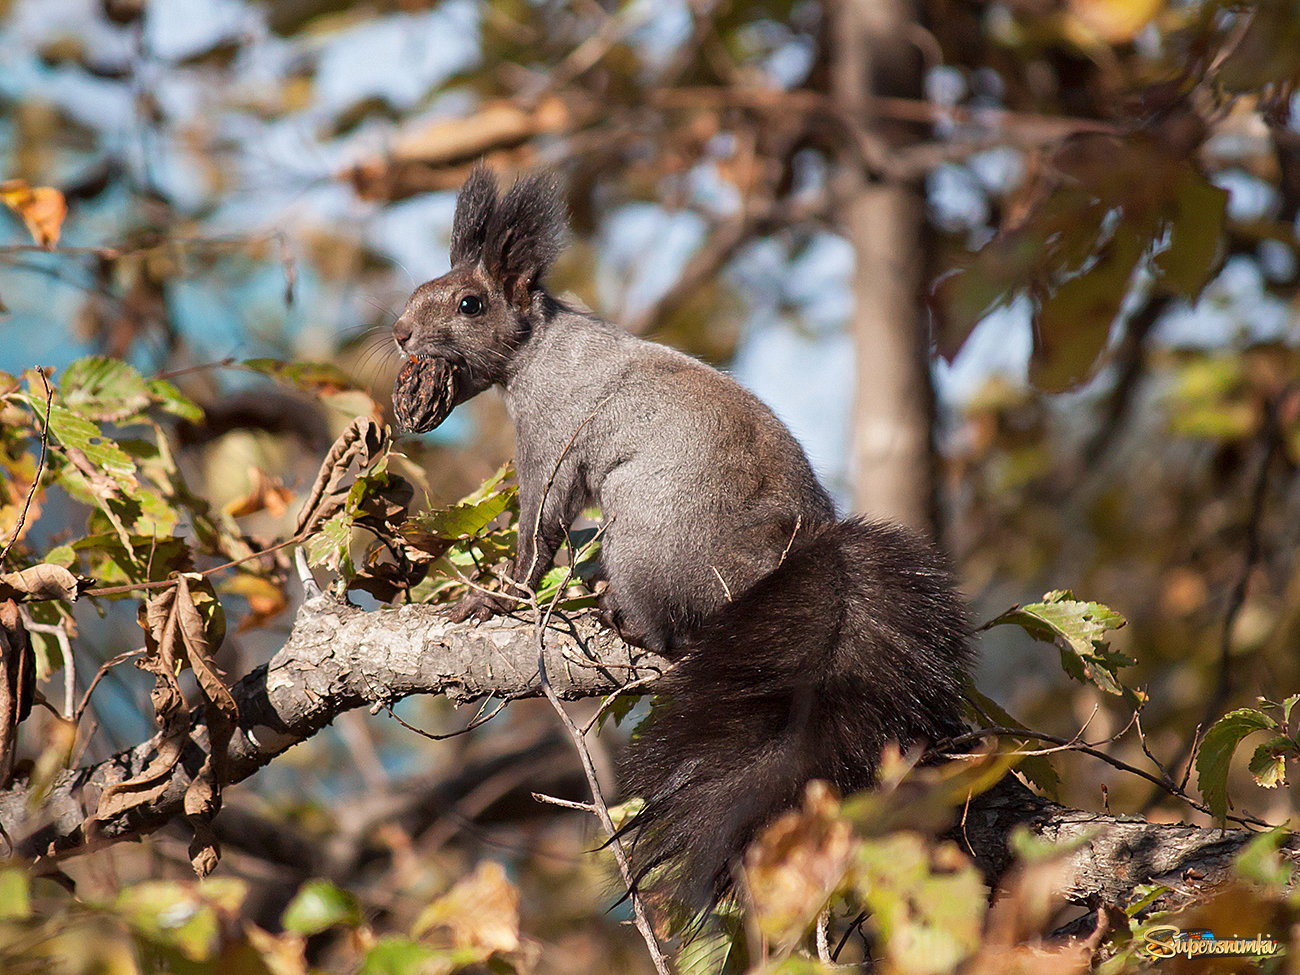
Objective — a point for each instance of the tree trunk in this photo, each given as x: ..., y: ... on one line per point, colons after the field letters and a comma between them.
x: 892, y: 460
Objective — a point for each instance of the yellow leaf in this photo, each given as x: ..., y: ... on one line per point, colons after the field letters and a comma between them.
x: 480, y: 911
x: 1115, y: 21
x: 264, y: 494
x: 41, y: 207
x: 265, y: 598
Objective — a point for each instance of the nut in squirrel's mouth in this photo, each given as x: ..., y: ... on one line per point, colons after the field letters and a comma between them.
x: 425, y: 393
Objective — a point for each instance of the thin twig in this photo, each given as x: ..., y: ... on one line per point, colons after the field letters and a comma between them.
x: 853, y: 926
x: 60, y: 633
x: 201, y: 367
x: 1146, y: 750
x: 542, y: 620
x: 630, y: 686
x: 1067, y: 744
x: 104, y: 668
x: 475, y: 723
x: 798, y: 523
x: 117, y: 253
x: 602, y: 813
x: 163, y: 583
x: 310, y: 590
x: 726, y: 589
x: 550, y: 482
x: 564, y: 803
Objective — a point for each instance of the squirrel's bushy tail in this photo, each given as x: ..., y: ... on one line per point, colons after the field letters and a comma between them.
x: 857, y: 639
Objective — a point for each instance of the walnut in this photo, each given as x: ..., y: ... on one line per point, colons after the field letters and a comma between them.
x: 424, y: 394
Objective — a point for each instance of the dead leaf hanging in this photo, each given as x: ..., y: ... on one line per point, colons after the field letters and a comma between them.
x: 158, y: 619
x: 38, y: 582
x: 42, y: 209
x: 17, y: 683
x: 362, y: 441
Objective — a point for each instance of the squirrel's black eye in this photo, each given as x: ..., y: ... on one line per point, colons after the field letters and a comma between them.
x: 471, y: 305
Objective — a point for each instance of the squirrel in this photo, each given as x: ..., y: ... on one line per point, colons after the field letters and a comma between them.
x: 803, y: 643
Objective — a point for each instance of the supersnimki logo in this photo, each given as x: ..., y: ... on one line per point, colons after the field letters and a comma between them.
x: 1169, y: 940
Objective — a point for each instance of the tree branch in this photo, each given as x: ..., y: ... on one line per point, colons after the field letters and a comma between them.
x: 338, y: 658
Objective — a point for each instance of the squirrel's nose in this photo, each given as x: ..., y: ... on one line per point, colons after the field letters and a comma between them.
x: 402, y: 331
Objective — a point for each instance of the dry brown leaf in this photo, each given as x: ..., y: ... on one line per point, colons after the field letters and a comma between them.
x: 362, y: 442
x: 797, y: 863
x: 199, y: 651
x: 480, y: 911
x: 158, y: 619
x: 44, y: 581
x: 203, y: 797
x: 284, y: 954
x: 100, y: 484
x: 42, y: 209
x: 202, y: 801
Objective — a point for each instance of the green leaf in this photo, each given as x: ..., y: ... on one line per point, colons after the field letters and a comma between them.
x: 15, y: 894
x: 173, y: 914
x: 313, y: 377
x: 330, y: 543
x: 1259, y: 860
x: 110, y: 563
x: 492, y: 484
x: 1216, y: 752
x: 1074, y: 322
x: 1268, y: 764
x: 100, y: 388
x: 46, y: 646
x: 464, y: 519
x: 1287, y: 705
x: 396, y: 956
x: 619, y: 709
x: 1143, y: 896
x: 174, y: 401
x: 1186, y: 265
x: 929, y: 904
x: 705, y: 954
x: 319, y: 905
x: 1078, y: 629
x: 77, y: 432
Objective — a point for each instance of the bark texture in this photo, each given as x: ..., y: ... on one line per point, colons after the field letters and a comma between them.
x: 337, y: 658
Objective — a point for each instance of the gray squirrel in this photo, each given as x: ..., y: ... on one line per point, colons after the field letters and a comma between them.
x: 803, y: 643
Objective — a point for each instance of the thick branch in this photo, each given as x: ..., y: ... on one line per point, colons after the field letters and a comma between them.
x: 338, y: 658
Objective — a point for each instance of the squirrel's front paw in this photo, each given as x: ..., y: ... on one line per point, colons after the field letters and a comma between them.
x: 478, y: 605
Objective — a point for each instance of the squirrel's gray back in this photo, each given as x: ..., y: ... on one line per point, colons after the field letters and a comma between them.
x: 701, y: 485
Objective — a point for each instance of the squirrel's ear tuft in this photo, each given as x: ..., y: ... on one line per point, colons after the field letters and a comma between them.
x: 475, y: 204
x: 525, y: 234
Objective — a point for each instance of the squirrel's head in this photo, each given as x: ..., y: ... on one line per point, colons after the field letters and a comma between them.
x: 477, y: 314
